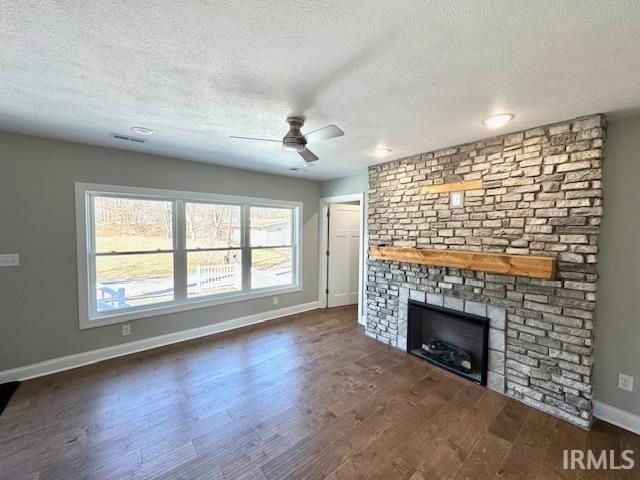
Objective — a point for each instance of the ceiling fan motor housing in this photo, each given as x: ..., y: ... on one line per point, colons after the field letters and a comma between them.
x: 294, y: 140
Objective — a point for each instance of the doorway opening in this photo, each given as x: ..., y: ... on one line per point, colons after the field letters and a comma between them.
x: 342, y: 252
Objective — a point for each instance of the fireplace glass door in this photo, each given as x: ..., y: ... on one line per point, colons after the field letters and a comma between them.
x: 455, y: 341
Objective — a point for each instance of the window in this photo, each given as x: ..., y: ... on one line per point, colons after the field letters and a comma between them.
x: 144, y: 252
x: 133, y: 254
x: 271, y: 246
x: 214, y: 249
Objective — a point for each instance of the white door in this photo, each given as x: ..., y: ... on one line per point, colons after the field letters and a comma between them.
x: 344, y: 254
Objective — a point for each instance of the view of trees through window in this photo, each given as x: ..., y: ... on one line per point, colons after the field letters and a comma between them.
x: 124, y: 226
x: 127, y: 224
x: 135, y: 249
x: 213, y: 226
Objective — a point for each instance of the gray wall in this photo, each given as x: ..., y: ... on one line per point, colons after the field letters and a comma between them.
x: 343, y: 186
x: 617, y: 336
x: 39, y: 299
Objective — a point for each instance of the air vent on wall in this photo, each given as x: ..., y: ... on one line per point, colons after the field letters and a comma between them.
x: 128, y: 138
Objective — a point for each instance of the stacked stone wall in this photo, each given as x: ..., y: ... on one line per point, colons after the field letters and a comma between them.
x: 541, y: 195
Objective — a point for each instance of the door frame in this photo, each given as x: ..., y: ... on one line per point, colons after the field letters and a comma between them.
x: 324, y: 245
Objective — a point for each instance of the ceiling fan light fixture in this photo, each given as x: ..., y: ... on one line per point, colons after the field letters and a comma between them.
x: 498, y: 120
x: 293, y: 145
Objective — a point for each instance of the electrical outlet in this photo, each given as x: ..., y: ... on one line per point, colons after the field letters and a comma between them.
x: 126, y: 330
x: 625, y: 382
x: 10, y: 260
x: 275, y: 300
x: 457, y: 199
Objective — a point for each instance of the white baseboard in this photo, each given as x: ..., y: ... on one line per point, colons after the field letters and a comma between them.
x: 93, y: 356
x: 616, y: 416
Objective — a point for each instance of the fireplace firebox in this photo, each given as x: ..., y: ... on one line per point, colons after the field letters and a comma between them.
x: 455, y: 341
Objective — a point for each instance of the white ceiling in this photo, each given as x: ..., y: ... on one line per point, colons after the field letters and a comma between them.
x: 414, y: 75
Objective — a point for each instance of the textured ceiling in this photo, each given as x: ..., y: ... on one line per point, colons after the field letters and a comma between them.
x: 414, y: 75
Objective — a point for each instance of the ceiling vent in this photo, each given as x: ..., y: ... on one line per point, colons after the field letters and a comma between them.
x: 128, y: 138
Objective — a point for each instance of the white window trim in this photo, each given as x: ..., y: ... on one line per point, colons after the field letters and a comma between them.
x: 83, y: 227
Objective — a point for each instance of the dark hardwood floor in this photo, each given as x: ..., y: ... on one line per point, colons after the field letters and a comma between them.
x: 307, y: 396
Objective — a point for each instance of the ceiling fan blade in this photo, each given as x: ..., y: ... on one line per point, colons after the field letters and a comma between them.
x: 308, y: 155
x: 324, y: 133
x: 259, y: 139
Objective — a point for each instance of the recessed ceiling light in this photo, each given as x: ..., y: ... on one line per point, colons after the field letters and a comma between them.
x: 142, y: 131
x: 381, y: 152
x: 498, y: 120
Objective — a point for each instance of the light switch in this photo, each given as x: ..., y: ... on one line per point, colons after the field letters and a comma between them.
x: 9, y: 260
x: 457, y: 199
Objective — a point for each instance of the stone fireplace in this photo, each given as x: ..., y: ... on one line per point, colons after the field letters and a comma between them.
x: 539, y: 193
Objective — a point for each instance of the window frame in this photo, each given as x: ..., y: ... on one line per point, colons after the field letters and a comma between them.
x: 85, y: 231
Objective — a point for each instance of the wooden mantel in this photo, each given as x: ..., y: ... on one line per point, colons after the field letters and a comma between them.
x: 521, y: 265
x: 452, y: 187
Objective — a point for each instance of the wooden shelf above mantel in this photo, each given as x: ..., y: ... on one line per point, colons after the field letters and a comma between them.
x: 452, y: 187
x: 520, y: 265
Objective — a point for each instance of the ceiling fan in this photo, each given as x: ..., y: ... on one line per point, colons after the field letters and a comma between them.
x: 295, y: 141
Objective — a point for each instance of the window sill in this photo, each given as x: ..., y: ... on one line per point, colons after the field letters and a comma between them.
x: 120, y: 317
